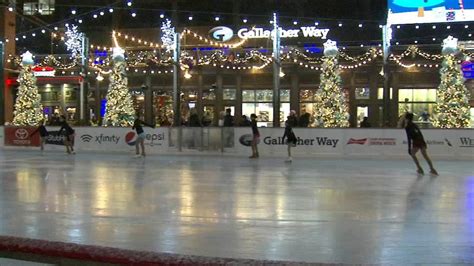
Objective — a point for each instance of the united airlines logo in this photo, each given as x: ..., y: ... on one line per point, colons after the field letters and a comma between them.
x: 221, y: 33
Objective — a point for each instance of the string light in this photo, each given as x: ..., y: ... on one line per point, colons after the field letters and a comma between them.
x: 244, y: 20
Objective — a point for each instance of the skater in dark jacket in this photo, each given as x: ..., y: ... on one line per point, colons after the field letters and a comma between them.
x: 43, y: 132
x: 140, y: 141
x: 416, y: 142
x: 290, y: 136
x: 68, y: 132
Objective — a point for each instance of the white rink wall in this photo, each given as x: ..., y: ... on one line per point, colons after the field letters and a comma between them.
x: 313, y: 142
x: 442, y: 143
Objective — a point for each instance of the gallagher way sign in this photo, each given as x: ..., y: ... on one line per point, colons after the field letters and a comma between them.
x: 223, y: 33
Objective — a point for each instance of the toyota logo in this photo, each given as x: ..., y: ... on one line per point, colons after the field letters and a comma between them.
x: 221, y: 33
x: 21, y: 133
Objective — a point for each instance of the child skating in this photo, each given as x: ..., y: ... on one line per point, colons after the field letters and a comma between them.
x: 69, y: 135
x: 140, y: 142
x: 256, y: 136
x: 416, y: 142
x: 290, y: 136
x: 43, y: 132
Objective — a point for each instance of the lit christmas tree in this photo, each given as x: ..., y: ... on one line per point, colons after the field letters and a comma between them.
x: 28, y: 108
x: 331, y: 107
x: 452, y: 109
x: 119, y: 110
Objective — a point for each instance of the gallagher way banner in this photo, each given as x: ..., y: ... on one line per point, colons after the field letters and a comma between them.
x: 429, y: 11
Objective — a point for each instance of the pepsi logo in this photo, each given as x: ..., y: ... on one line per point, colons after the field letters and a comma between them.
x: 131, y: 138
x: 221, y: 33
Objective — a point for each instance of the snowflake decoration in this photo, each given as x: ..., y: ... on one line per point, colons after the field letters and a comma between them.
x: 167, y: 35
x: 73, y: 40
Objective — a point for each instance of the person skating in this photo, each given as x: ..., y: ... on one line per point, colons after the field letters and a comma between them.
x: 290, y: 136
x: 140, y: 141
x: 68, y: 132
x: 417, y: 142
x: 256, y: 136
x: 43, y: 132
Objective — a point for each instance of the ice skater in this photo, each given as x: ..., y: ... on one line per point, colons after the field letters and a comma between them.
x: 417, y: 142
x: 140, y: 142
x: 43, y: 132
x: 290, y: 136
x: 256, y: 136
x: 69, y: 135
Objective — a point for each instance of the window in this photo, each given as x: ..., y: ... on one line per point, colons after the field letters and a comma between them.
x: 362, y: 93
x: 380, y: 94
x: 209, y: 94
x: 258, y: 102
x: 308, y: 104
x: 163, y: 105
x: 42, y: 7
x: 420, y: 102
x: 229, y: 94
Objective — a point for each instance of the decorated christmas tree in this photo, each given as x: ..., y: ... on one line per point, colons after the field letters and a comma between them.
x: 452, y: 109
x: 28, y: 109
x: 119, y: 110
x: 331, y: 107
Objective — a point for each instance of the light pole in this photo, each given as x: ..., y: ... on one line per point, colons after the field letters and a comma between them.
x: 276, y: 72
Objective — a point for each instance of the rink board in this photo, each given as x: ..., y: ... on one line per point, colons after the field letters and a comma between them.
x: 442, y: 143
x: 448, y: 143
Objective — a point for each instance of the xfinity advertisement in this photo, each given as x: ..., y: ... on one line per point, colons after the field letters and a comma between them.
x: 429, y: 11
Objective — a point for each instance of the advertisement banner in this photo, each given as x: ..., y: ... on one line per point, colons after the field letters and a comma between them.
x: 310, y: 141
x: 21, y: 136
x: 55, y: 138
x: 452, y: 143
x: 433, y: 11
x: 120, y: 139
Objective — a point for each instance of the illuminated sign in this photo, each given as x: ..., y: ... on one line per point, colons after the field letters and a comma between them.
x: 221, y: 33
x: 306, y: 32
x: 468, y: 69
x: 46, y: 71
x: 224, y: 33
x: 429, y: 11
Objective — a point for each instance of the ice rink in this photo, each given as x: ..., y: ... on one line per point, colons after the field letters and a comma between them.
x: 312, y: 210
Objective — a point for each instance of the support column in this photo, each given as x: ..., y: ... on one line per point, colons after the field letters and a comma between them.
x: 98, y: 101
x: 352, y: 102
x: 149, y: 112
x: 219, y: 93
x: 199, y: 100
x: 7, y: 31
x: 294, y: 93
x: 276, y: 72
x: 238, y: 96
x: 176, y: 85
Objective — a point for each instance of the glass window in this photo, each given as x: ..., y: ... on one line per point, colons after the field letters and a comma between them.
x: 264, y: 95
x: 380, y: 93
x: 424, y: 95
x: 163, y: 105
x: 362, y: 93
x: 248, y: 95
x: 405, y: 95
x: 284, y: 112
x: 229, y: 94
x: 307, y: 95
x: 284, y: 95
x: 209, y: 95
